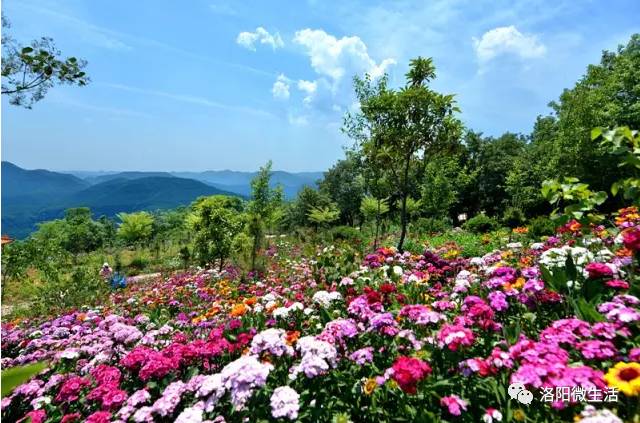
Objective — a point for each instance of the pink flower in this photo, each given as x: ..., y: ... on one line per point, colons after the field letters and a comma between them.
x: 99, y: 417
x: 617, y: 284
x: 455, y: 405
x: 36, y: 416
x: 491, y: 415
x: 598, y: 270
x: 70, y: 389
x: 408, y: 371
x: 454, y: 336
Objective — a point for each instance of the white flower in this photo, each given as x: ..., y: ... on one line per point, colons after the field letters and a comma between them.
x: 537, y: 246
x: 514, y: 245
x: 324, y: 298
x: 397, y: 270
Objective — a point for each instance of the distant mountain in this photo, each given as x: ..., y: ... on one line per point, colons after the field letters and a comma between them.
x: 124, y: 175
x: 48, y: 194
x: 240, y: 182
x: 227, y: 180
x: 18, y: 182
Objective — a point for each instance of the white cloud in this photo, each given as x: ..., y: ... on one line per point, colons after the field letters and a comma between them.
x: 280, y: 88
x: 507, y: 40
x: 248, y: 40
x: 309, y: 88
x: 337, y: 58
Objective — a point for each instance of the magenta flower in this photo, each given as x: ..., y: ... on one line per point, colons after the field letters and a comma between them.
x: 454, y: 404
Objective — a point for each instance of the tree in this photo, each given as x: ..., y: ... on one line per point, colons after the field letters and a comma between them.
x: 28, y: 72
x: 344, y: 184
x: 83, y: 234
x: 135, y: 227
x: 373, y: 209
x: 496, y: 158
x: 399, y: 128
x: 323, y: 216
x: 262, y: 208
x: 297, y: 213
x: 216, y: 224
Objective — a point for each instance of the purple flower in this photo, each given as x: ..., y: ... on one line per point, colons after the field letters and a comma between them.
x: 285, y: 403
x: 362, y: 356
x: 498, y: 301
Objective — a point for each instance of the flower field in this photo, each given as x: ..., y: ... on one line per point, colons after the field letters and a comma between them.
x: 336, y: 336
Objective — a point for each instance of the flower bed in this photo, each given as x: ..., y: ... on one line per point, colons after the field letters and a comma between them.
x: 387, y: 337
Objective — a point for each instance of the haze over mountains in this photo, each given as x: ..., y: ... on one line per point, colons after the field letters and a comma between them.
x: 32, y: 196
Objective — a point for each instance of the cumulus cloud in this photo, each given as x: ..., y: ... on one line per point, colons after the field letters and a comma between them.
x: 280, y: 88
x: 335, y: 58
x: 507, y: 40
x: 248, y: 40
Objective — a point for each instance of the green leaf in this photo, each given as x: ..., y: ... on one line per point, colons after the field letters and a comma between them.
x: 16, y: 376
x: 596, y: 133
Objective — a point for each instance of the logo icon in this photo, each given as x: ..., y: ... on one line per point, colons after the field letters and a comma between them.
x: 518, y: 392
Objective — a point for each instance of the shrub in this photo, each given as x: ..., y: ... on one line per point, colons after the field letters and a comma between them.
x: 346, y: 233
x: 541, y: 226
x: 430, y: 225
x: 138, y: 264
x: 513, y: 217
x: 481, y: 223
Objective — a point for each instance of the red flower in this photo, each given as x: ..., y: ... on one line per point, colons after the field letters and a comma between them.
x: 631, y: 239
x: 71, y: 418
x: 408, y: 371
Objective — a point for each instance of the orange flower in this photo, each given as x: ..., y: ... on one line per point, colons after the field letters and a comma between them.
x: 575, y: 226
x: 251, y: 301
x: 292, y: 337
x: 521, y: 230
x: 238, y: 310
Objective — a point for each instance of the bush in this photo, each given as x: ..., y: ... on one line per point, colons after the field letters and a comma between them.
x: 541, y: 226
x: 481, y: 224
x: 346, y: 233
x: 513, y: 217
x: 431, y: 225
x: 138, y: 264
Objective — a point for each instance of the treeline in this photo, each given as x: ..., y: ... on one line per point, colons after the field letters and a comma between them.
x: 412, y: 155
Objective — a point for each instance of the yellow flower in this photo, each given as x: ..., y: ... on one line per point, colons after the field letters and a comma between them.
x: 519, y: 415
x: 625, y: 377
x: 369, y: 386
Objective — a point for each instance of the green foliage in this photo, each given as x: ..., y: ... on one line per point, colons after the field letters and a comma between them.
x: 344, y: 185
x: 431, y: 225
x: 28, y: 72
x: 136, y: 228
x: 346, y: 233
x: 373, y: 208
x: 396, y: 129
x: 578, y: 200
x: 624, y: 143
x: 481, y: 223
x: 297, y: 212
x: 513, y: 217
x: 216, y: 223
x: 541, y: 226
x: 324, y: 216
x: 16, y: 376
x: 444, y: 179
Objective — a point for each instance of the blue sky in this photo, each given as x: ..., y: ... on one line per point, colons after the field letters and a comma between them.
x: 206, y: 84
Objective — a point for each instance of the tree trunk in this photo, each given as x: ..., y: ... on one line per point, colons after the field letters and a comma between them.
x: 403, y: 212
x: 375, y: 239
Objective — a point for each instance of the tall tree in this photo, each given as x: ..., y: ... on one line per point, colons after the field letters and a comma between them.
x: 262, y: 208
x: 398, y: 128
x: 344, y: 184
x: 29, y: 71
